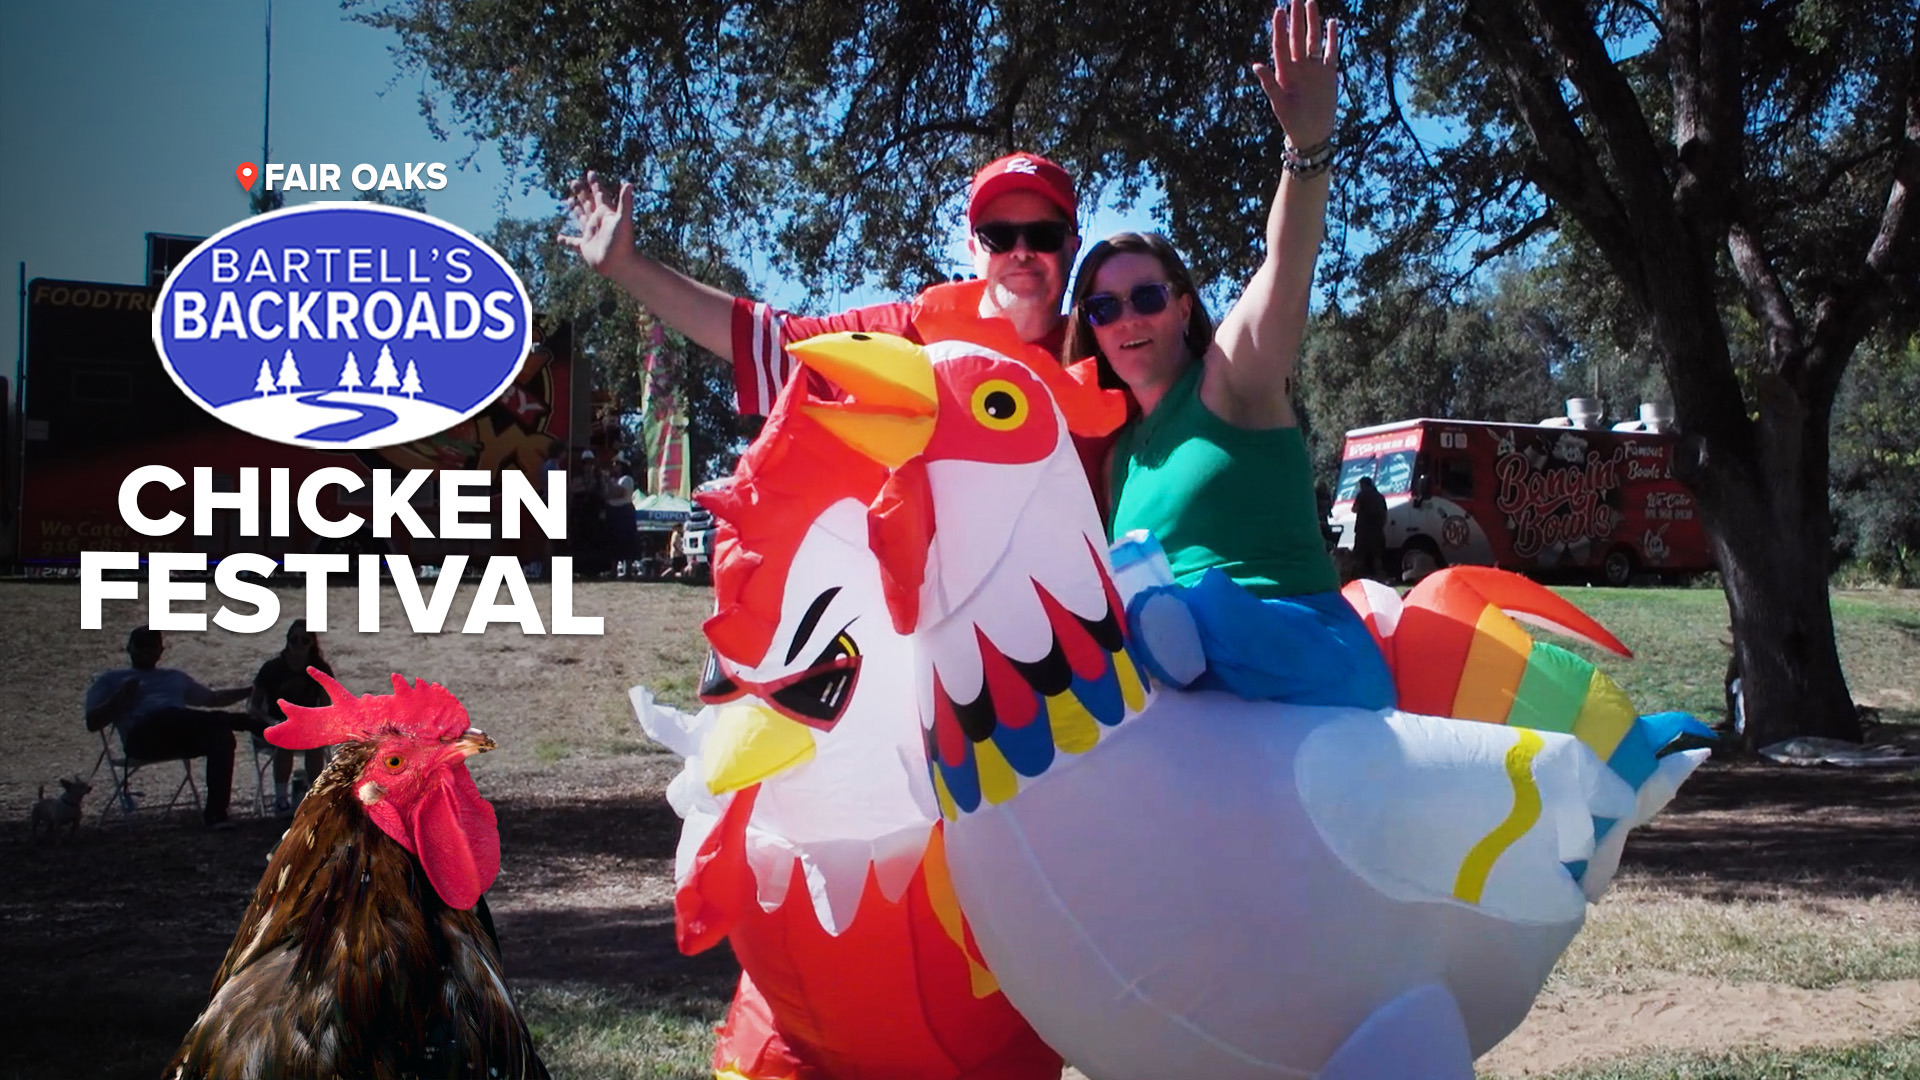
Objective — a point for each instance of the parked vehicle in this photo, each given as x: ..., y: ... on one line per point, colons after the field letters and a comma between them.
x: 699, y: 528
x: 1565, y: 495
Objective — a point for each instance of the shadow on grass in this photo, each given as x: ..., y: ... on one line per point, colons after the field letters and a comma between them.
x: 108, y: 944
x: 611, y: 948
x: 1742, y: 830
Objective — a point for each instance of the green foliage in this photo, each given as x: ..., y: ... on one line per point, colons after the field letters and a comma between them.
x: 1876, y: 466
x: 1513, y: 350
x: 1719, y: 176
x: 407, y: 200
x: 613, y: 337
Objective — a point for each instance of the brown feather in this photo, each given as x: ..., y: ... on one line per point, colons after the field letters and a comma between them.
x: 348, y: 964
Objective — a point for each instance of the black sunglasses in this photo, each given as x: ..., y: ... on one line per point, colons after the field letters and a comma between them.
x: 1104, y: 308
x: 1043, y: 237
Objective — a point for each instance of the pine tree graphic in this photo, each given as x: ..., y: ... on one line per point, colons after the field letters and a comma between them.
x: 350, y: 375
x: 385, y: 377
x: 289, y: 373
x: 264, y: 383
x: 411, y: 386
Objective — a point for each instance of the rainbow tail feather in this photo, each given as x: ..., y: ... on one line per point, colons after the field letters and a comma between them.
x: 1456, y: 650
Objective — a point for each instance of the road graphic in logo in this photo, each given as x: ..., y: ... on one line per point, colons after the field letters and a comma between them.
x: 343, y: 326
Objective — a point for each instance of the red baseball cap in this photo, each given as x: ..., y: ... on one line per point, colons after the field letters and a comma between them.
x: 1023, y: 172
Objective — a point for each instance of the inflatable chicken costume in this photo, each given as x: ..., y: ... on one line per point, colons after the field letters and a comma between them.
x: 1174, y: 884
x: 811, y: 840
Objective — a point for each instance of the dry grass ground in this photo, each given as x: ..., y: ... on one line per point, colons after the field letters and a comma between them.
x: 1770, y: 915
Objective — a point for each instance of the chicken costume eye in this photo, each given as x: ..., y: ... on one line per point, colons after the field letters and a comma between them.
x: 716, y: 686
x: 999, y: 405
x: 817, y: 696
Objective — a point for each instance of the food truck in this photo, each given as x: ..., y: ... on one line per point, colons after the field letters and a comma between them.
x: 1563, y: 496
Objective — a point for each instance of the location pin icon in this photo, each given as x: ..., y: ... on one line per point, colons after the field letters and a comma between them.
x: 246, y: 174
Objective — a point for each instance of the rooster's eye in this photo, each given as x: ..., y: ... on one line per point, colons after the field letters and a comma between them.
x: 999, y: 405
x: 394, y: 761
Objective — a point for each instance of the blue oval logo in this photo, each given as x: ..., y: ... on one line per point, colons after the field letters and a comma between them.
x: 343, y: 326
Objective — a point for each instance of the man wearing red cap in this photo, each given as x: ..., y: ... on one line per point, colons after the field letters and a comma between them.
x: 1022, y: 212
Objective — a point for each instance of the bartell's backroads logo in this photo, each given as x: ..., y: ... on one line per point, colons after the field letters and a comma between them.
x: 343, y: 326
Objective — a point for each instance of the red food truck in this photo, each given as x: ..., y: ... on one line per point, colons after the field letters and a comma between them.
x: 1554, y: 497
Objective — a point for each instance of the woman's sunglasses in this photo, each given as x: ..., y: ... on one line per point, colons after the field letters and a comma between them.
x: 1043, y: 237
x: 1105, y: 308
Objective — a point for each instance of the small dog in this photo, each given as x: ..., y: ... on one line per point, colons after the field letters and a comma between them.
x: 64, y: 810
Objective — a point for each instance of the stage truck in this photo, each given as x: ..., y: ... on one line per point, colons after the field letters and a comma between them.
x: 1556, y: 498
x: 98, y: 404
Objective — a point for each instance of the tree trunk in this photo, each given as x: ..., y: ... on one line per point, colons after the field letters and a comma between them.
x: 1770, y: 527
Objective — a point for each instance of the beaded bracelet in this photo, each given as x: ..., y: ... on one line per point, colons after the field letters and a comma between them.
x: 1307, y: 163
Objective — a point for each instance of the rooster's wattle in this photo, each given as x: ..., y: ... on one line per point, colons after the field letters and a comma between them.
x: 360, y: 954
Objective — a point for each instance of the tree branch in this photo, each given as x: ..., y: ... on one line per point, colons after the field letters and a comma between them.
x: 1616, y: 112
x: 1765, y: 296
x: 1893, y: 245
x: 1541, y: 222
x: 1566, y: 168
x: 1394, y: 109
x: 1704, y: 49
x: 1844, y: 316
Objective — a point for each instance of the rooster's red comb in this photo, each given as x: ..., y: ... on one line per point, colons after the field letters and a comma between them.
x: 422, y: 709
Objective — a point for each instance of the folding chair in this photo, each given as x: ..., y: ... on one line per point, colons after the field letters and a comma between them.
x: 121, y: 767
x: 263, y: 752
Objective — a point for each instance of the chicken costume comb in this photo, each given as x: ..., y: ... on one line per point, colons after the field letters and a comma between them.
x: 790, y: 474
x: 415, y: 786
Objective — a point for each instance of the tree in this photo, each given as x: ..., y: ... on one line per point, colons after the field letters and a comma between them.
x: 385, y: 377
x: 410, y: 386
x: 1876, y: 465
x: 407, y: 200
x: 350, y: 375
x: 612, y: 338
x: 289, y: 373
x: 263, y: 383
x: 1740, y: 170
x: 1706, y: 154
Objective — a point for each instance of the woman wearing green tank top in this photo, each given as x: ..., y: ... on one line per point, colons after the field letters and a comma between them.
x: 1215, y: 465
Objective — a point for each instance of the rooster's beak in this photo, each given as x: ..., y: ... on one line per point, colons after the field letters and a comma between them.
x: 889, y: 381
x: 473, y: 742
x: 749, y: 743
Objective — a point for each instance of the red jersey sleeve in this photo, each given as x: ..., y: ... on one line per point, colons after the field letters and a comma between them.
x: 761, y: 365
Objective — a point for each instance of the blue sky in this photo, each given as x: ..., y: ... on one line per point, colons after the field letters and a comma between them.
x: 119, y: 118
x: 123, y: 118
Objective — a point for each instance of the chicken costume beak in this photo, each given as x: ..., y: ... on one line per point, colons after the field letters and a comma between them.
x: 748, y: 744
x: 473, y: 742
x: 889, y: 414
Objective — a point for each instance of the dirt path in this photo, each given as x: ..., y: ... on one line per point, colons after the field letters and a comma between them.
x: 1705, y: 1015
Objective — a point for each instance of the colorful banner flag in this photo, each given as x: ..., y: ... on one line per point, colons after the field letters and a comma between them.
x: 664, y: 423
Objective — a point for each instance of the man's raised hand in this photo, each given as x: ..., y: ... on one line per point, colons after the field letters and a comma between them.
x: 606, y: 228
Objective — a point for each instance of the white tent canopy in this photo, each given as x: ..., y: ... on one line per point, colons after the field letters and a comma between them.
x: 660, y: 512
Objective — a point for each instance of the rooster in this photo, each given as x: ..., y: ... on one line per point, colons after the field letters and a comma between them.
x: 360, y: 954
x: 1193, y: 884
x: 811, y: 841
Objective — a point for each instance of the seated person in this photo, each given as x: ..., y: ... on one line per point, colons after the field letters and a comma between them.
x: 285, y: 678
x: 1215, y: 466
x: 164, y: 714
